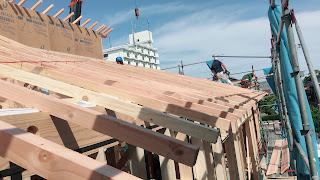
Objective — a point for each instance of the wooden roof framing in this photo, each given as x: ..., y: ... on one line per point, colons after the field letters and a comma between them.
x: 138, y: 94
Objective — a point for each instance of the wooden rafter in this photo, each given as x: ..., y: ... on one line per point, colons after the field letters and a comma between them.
x: 154, y: 142
x: 121, y: 106
x: 46, y: 158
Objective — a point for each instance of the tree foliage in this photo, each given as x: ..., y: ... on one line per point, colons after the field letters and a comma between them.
x: 308, y: 78
x: 316, y: 117
x: 269, y: 99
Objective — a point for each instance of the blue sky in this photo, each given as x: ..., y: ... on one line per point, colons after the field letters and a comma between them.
x: 194, y: 30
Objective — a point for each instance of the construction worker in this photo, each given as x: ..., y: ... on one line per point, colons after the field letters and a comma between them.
x: 246, y: 80
x: 219, y: 70
x: 119, y: 60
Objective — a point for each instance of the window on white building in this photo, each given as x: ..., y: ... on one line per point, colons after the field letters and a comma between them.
x: 128, y: 54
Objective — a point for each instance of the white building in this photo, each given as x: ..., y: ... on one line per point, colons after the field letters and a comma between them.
x: 138, y: 52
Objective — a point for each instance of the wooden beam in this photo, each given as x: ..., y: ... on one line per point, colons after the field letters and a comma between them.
x: 167, y: 166
x: 252, y: 150
x: 185, y: 171
x: 101, y: 27
x: 219, y: 160
x: 161, y: 105
x: 86, y: 22
x: 235, y: 163
x: 146, y: 114
x: 105, y: 30
x: 285, y: 160
x: 277, y: 129
x: 137, y: 162
x: 275, y: 158
x: 58, y: 13
x: 48, y: 9
x: 21, y: 2
x: 69, y: 16
x: 93, y: 25
x: 154, y: 142
x: 77, y: 20
x: 106, y: 34
x: 36, y: 5
x: 50, y: 160
x: 56, y: 130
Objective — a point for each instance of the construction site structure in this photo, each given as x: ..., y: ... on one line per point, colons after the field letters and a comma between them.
x: 65, y: 115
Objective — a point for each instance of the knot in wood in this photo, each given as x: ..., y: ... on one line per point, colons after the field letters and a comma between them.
x: 85, y: 98
x: 45, y: 156
x: 178, y: 152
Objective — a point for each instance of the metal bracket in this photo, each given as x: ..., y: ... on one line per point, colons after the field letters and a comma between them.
x: 294, y: 73
x: 306, y: 130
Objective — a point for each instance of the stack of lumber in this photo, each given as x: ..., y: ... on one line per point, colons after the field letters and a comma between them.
x: 216, y: 117
x: 280, y: 147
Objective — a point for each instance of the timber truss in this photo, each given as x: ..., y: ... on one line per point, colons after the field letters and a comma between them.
x: 189, y: 122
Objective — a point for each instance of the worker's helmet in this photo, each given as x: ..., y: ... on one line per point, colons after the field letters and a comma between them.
x: 119, y: 59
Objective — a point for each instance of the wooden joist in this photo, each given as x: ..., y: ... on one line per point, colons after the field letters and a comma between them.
x: 275, y: 158
x: 49, y: 160
x: 153, y: 142
x: 116, y: 104
x: 137, y: 98
x: 285, y: 160
x: 277, y: 127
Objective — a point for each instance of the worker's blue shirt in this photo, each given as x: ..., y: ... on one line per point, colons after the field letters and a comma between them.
x: 216, y: 66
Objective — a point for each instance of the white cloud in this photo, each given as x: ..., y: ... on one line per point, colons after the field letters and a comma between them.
x: 196, y: 37
x: 126, y: 15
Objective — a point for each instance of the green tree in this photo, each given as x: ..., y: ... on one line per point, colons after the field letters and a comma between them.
x: 308, y: 78
x: 266, y: 104
x: 316, y: 118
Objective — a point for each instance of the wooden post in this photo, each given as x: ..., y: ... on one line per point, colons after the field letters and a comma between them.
x: 185, y: 171
x: 105, y: 30
x: 236, y: 169
x: 204, y: 168
x: 69, y: 16
x: 101, y: 27
x: 106, y: 34
x: 137, y: 162
x: 21, y: 2
x: 243, y: 146
x: 167, y: 165
x: 48, y: 9
x: 93, y: 25
x: 36, y: 5
x: 101, y: 156
x: 255, y: 113
x: 86, y: 22
x: 219, y: 160
x: 77, y: 20
x: 58, y: 13
x: 254, y: 155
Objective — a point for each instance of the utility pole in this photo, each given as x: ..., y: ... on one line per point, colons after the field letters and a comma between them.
x: 134, y: 42
x: 75, y: 7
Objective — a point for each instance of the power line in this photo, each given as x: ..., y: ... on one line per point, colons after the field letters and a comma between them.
x: 263, y: 57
